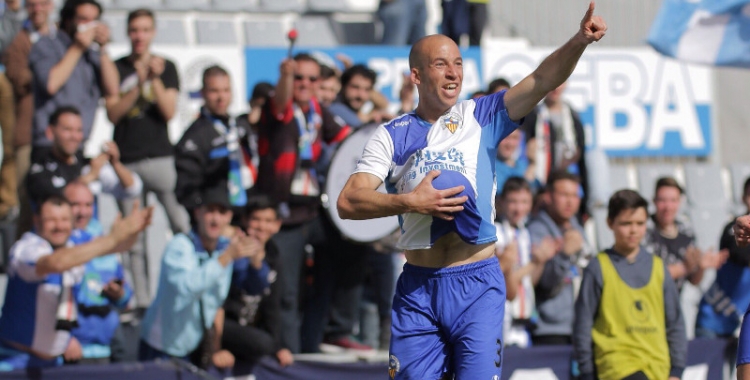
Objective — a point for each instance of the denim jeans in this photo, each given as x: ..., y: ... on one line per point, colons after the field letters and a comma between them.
x: 403, y: 21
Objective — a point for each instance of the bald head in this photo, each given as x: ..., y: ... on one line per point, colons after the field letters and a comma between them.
x: 420, y: 51
x: 82, y: 203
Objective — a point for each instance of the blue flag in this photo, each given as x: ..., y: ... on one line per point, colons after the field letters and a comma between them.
x: 712, y: 32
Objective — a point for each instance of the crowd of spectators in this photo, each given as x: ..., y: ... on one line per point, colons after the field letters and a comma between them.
x: 255, y: 267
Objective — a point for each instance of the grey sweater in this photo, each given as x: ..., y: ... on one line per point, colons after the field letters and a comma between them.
x: 636, y: 275
x: 554, y: 292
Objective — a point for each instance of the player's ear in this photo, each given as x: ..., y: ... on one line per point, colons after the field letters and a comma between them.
x: 415, y: 76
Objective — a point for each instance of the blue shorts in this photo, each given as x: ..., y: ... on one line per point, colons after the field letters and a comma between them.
x: 12, y: 360
x: 743, y: 350
x: 448, y: 321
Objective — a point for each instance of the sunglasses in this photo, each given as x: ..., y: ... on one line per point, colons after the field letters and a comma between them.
x: 301, y: 77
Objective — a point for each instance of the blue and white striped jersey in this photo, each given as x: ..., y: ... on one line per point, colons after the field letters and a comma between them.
x: 462, y: 145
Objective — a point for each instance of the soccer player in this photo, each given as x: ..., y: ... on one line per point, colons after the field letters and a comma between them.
x: 438, y: 166
x: 742, y: 238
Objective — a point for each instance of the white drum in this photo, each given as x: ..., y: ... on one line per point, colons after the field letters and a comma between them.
x: 342, y: 165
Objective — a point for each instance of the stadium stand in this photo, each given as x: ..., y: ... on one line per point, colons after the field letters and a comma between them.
x: 704, y: 185
x: 316, y: 31
x: 215, y: 32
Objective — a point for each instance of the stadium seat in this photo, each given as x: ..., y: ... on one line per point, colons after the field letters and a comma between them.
x: 117, y: 27
x: 648, y: 174
x: 604, y: 237
x: 170, y: 31
x: 708, y: 223
x: 235, y: 5
x: 186, y: 5
x: 135, y: 4
x: 212, y: 32
x: 316, y: 31
x: 327, y: 5
x: 358, y: 33
x: 265, y: 33
x: 283, y: 5
x: 704, y: 186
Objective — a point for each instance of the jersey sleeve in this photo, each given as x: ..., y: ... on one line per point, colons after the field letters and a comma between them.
x: 490, y: 112
x: 24, y: 256
x: 377, y: 156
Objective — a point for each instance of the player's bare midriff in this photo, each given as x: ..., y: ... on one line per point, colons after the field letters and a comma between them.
x: 449, y: 251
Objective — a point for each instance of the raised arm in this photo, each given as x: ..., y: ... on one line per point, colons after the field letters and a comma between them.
x: 555, y: 69
x: 283, y: 92
x: 123, y: 231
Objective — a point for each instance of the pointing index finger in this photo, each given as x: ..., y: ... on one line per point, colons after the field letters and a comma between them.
x: 590, y: 12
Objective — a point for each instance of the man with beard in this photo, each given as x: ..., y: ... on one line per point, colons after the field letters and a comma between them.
x: 40, y: 309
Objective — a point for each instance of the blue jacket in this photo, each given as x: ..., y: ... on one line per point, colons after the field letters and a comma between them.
x: 189, y: 275
x: 97, y: 315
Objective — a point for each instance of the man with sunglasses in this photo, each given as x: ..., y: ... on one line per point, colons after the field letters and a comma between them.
x: 292, y: 129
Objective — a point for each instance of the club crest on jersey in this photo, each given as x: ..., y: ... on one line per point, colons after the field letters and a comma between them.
x: 453, y: 121
x: 393, y: 366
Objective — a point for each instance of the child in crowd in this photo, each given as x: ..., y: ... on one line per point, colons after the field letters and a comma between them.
x: 628, y: 322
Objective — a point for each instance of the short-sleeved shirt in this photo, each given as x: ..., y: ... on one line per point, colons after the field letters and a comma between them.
x: 82, y: 89
x: 461, y: 142
x: 29, y: 315
x: 48, y: 176
x: 142, y: 132
x: 671, y: 249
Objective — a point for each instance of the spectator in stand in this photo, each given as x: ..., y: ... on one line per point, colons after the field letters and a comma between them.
x: 292, y: 129
x: 101, y: 293
x: 72, y: 67
x: 464, y: 17
x: 357, y: 83
x: 11, y: 17
x: 628, y: 321
x: 742, y: 239
x: 721, y: 306
x: 510, y: 160
x: 497, y: 85
x: 672, y: 240
x: 251, y: 325
x: 330, y: 85
x: 40, y: 309
x: 403, y: 21
x: 146, y: 101
x: 261, y: 93
x: 64, y: 163
x: 556, y: 141
x: 555, y: 292
x: 186, y: 318
x: 16, y: 60
x: 214, y: 150
x: 522, y: 263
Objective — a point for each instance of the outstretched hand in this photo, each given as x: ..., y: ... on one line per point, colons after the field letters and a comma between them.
x: 593, y: 27
x: 425, y: 199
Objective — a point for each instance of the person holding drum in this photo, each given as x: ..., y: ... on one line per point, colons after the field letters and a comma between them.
x: 437, y: 165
